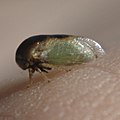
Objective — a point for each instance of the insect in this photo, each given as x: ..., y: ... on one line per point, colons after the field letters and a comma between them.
x: 38, y: 52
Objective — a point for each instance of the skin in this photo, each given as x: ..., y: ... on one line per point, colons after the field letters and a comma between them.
x: 87, y: 92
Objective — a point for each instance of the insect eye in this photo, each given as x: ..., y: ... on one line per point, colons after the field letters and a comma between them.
x: 22, y: 62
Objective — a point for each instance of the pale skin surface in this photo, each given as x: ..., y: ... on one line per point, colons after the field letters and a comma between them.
x: 87, y: 92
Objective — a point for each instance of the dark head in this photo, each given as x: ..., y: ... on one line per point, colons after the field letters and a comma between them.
x: 24, y: 56
x: 22, y: 53
x: 21, y: 57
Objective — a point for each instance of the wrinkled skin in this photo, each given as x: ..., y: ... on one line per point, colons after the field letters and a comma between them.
x: 86, y: 92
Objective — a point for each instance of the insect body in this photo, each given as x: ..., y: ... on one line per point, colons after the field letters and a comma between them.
x: 38, y: 52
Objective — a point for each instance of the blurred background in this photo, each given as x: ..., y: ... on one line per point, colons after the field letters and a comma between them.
x: 96, y: 19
